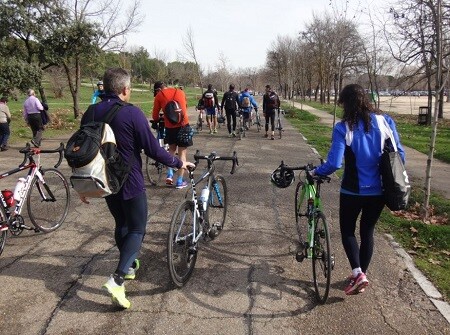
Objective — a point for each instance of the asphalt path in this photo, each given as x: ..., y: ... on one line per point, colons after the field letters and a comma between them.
x: 246, y: 282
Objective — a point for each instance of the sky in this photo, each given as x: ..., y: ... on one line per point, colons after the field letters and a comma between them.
x: 240, y: 30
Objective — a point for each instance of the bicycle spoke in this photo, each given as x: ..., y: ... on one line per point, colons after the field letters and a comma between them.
x: 48, y: 203
x: 4, y: 233
x: 322, y: 264
x: 217, y: 206
x: 181, y: 250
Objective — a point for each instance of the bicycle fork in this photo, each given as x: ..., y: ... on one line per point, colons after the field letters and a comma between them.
x: 306, y: 249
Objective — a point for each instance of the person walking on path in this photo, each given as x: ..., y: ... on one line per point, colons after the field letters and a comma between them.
x: 271, y: 102
x: 230, y: 101
x: 359, y: 140
x: 129, y: 205
x: 32, y: 108
x: 246, y: 101
x: 163, y: 95
x: 211, y: 104
x: 5, y: 119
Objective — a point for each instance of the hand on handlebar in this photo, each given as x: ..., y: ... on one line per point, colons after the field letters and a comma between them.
x: 188, y: 166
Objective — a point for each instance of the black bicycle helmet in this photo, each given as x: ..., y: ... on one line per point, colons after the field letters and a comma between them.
x: 282, y: 178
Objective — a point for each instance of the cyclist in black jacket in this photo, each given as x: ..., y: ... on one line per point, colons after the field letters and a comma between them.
x: 271, y: 102
x: 230, y: 101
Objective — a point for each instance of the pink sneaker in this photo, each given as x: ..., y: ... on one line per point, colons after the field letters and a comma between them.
x: 357, y: 284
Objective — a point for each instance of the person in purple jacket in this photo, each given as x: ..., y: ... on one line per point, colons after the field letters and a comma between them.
x: 359, y: 140
x: 129, y: 205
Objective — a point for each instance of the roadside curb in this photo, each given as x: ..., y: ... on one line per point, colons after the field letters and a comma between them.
x: 430, y: 290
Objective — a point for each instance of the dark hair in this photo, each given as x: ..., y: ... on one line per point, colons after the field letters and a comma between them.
x: 209, y: 86
x: 268, y: 86
x: 356, y: 105
x: 158, y: 86
x: 115, y: 80
x: 231, y: 87
x: 4, y: 99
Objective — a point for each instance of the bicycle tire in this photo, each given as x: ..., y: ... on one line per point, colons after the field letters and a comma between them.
x: 241, y: 128
x: 301, y: 219
x: 280, y: 129
x: 153, y: 170
x: 322, y: 265
x: 180, y: 258
x: 216, y: 211
x: 4, y: 233
x: 48, y: 202
x: 199, y: 123
x: 258, y: 123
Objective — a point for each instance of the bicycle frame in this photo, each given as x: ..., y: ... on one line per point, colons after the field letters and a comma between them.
x: 311, y: 194
x: 33, y: 170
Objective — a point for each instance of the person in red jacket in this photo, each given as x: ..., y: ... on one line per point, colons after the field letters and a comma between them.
x: 163, y: 95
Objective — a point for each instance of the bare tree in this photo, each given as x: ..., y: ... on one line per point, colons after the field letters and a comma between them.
x: 191, y: 54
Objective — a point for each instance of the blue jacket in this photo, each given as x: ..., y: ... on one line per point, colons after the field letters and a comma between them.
x: 252, y: 101
x: 97, y: 94
x: 362, y: 157
x: 132, y: 132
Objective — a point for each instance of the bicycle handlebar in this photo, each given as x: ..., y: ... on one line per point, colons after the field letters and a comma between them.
x: 28, y: 152
x: 213, y: 156
x: 307, y: 168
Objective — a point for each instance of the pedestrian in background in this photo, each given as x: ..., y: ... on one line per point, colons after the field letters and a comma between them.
x: 230, y: 101
x: 359, y: 140
x: 32, y: 108
x: 5, y: 119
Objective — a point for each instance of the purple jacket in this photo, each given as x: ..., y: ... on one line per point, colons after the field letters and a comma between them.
x: 132, y: 131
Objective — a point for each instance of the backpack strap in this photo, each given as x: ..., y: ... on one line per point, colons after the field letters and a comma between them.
x: 109, y: 116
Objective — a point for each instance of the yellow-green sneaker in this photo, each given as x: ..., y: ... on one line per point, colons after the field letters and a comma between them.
x: 117, y: 292
x: 131, y: 274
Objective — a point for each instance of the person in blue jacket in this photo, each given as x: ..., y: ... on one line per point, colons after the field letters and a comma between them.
x: 246, y: 101
x: 359, y: 141
x: 129, y: 206
x: 98, y: 93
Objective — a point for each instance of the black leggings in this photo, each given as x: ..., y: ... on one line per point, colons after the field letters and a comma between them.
x: 130, y: 217
x: 270, y: 115
x: 231, y: 115
x: 350, y: 207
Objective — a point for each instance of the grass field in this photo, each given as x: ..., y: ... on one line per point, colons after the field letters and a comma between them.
x: 61, y: 110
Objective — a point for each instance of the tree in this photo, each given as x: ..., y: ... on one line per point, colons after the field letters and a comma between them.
x: 191, y: 54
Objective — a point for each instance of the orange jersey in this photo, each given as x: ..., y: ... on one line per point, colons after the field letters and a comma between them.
x: 161, y: 100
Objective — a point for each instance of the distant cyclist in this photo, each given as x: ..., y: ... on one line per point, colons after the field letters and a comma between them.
x: 98, y: 93
x: 246, y: 101
x: 211, y: 105
x: 271, y: 102
x: 230, y: 101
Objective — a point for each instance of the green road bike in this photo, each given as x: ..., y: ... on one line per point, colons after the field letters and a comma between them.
x: 311, y: 225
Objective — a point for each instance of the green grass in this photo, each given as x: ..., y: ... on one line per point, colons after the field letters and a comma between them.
x: 428, y: 244
x: 61, y: 110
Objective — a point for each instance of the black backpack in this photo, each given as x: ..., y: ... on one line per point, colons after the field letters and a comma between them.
x: 230, y: 100
x: 173, y: 111
x: 98, y: 169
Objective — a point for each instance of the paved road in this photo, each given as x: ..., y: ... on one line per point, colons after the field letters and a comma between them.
x: 246, y: 282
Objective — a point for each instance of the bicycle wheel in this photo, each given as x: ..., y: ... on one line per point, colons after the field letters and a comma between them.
x: 199, y: 123
x: 258, y: 123
x: 241, y: 128
x: 280, y: 129
x: 181, y: 252
x: 4, y: 233
x: 301, y: 220
x: 48, y: 202
x: 216, y: 212
x: 321, y: 258
x: 154, y: 171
